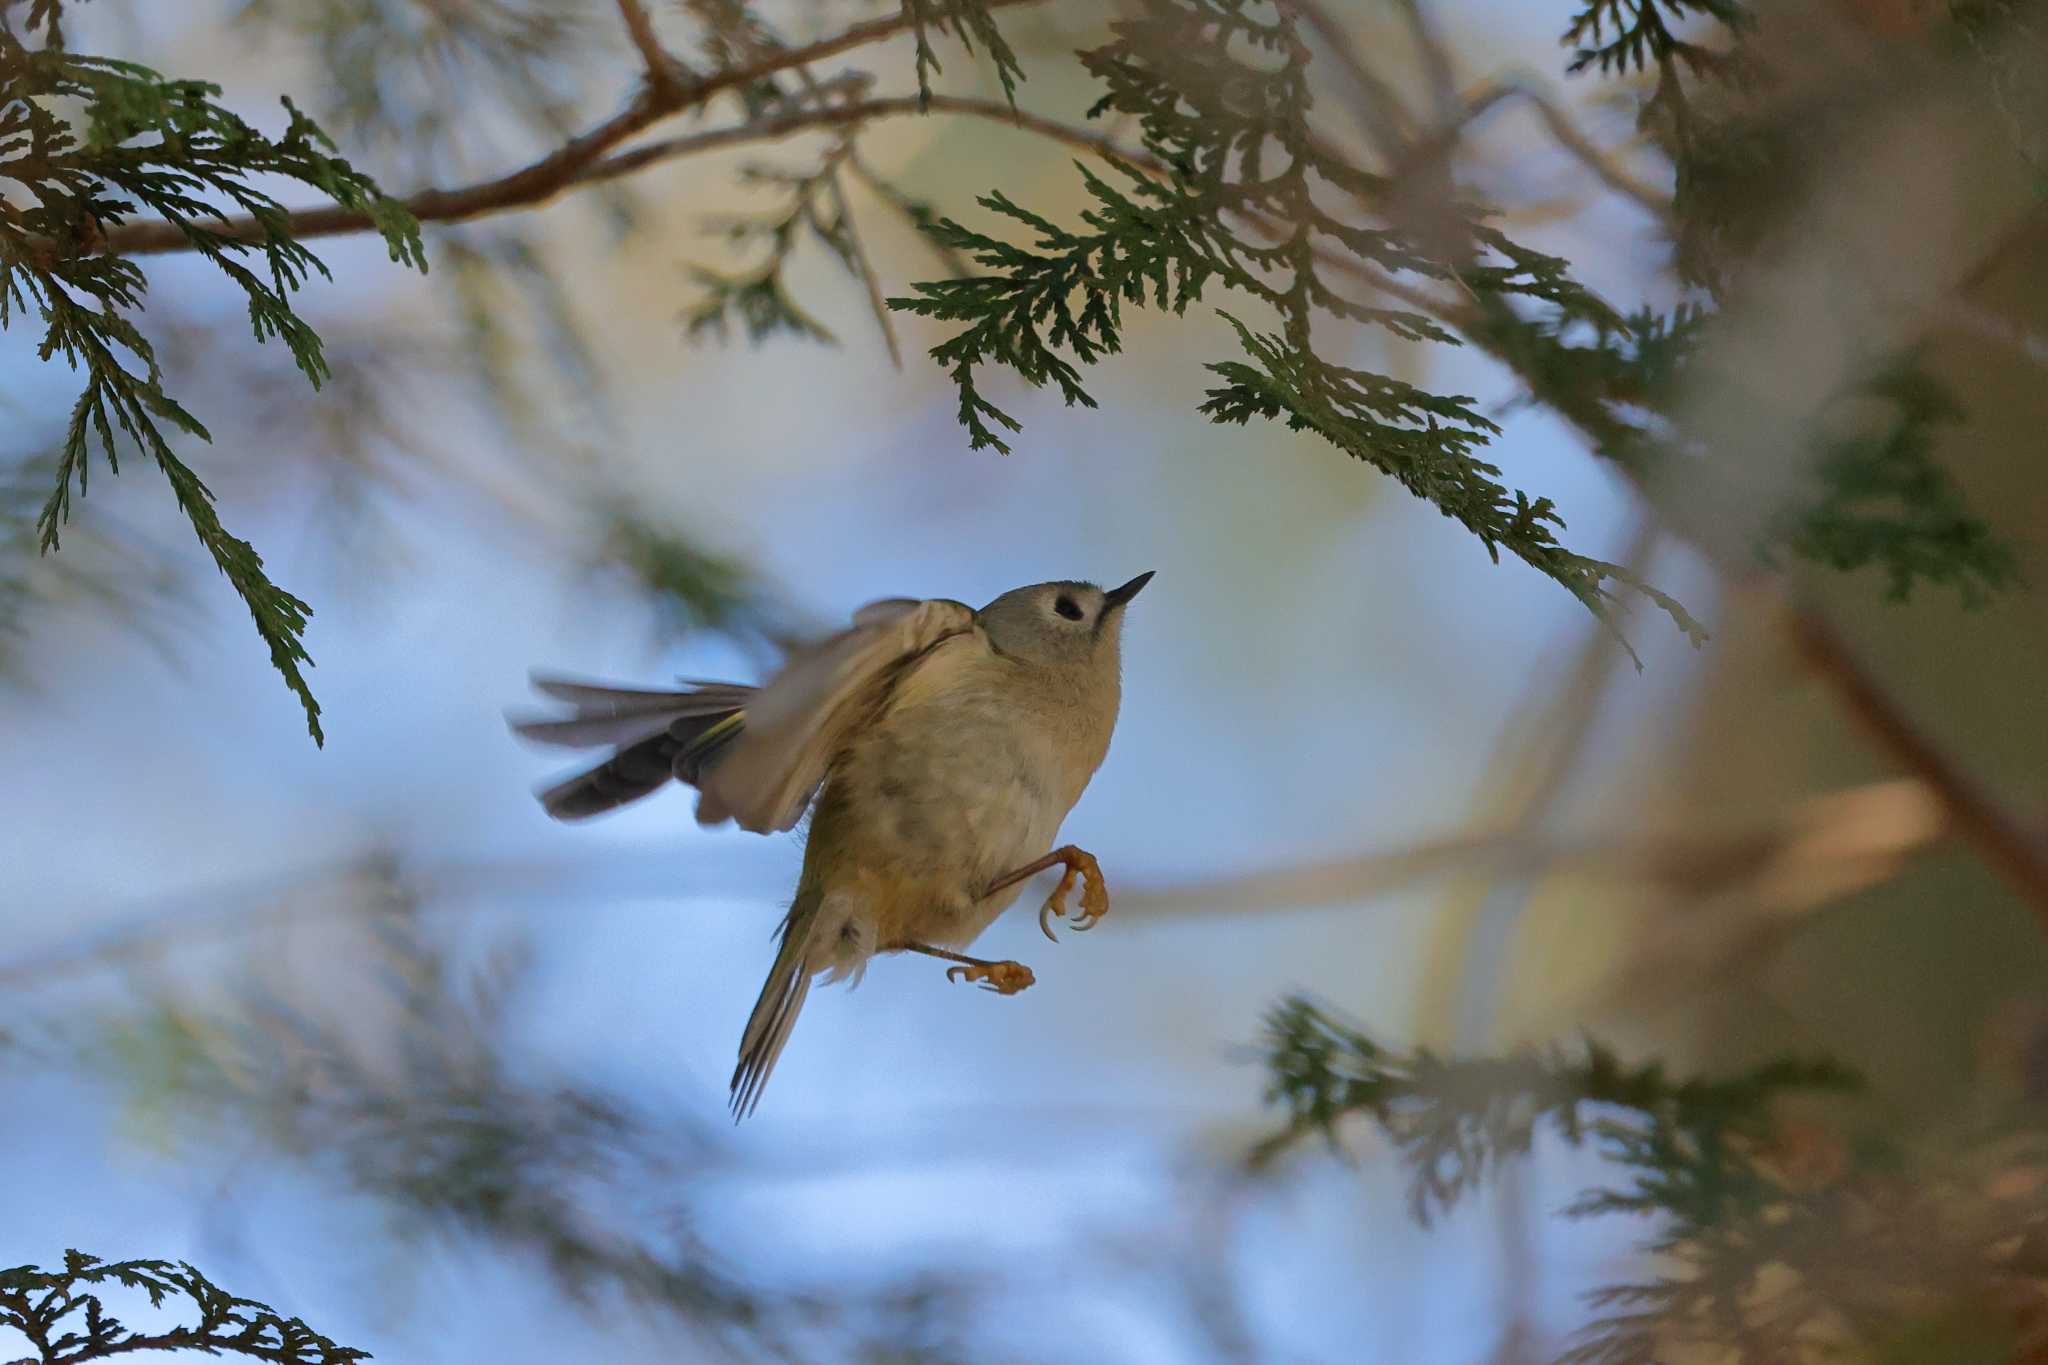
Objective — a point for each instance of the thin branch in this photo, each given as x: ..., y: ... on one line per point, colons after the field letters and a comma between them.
x: 865, y: 267
x: 844, y: 115
x: 1541, y: 753
x: 2018, y: 853
x: 1379, y: 108
x: 1568, y: 135
x: 2029, y: 233
x: 1436, y: 58
x: 1961, y: 315
x: 1813, y: 853
x: 663, y: 70
x: 955, y: 265
x: 565, y: 167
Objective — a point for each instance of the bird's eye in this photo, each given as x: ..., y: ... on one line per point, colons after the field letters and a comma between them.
x: 1068, y: 608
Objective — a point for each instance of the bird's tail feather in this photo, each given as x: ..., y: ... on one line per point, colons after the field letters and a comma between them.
x: 655, y: 736
x: 782, y: 999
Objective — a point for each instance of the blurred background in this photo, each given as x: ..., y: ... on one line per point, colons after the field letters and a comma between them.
x: 363, y: 1034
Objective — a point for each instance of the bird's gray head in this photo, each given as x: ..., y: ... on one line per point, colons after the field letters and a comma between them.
x: 1063, y: 623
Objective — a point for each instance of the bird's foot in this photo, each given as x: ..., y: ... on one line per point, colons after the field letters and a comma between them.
x: 1080, y: 865
x: 1004, y: 978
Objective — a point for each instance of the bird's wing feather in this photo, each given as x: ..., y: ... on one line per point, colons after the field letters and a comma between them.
x: 801, y: 717
x: 621, y: 716
x: 596, y: 699
x: 886, y: 610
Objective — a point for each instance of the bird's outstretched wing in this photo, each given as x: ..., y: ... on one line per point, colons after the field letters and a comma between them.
x: 654, y: 734
x: 755, y: 755
x: 799, y: 719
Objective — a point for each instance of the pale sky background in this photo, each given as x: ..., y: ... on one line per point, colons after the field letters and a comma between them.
x: 1323, y: 666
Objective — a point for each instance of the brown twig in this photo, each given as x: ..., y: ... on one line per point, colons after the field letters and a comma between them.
x: 870, y: 282
x: 561, y: 169
x: 2017, y: 853
x: 1386, y: 120
x: 1436, y: 58
x: 1796, y: 861
x: 842, y: 115
x: 663, y: 71
x: 1569, y: 136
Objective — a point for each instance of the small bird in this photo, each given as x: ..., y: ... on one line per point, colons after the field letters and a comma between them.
x: 939, y: 749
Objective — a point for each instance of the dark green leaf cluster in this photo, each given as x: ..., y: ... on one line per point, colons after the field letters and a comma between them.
x: 1066, y: 292
x: 759, y: 299
x: 1776, y: 1239
x: 1869, y: 492
x: 141, y: 144
x: 1874, y: 497
x: 1454, y: 1119
x: 970, y: 22
x: 1711, y: 157
x: 1221, y: 91
x: 66, y: 1322
x: 1877, y: 498
x: 1618, y: 36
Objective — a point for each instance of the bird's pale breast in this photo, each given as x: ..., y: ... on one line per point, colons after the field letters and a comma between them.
x: 953, y: 786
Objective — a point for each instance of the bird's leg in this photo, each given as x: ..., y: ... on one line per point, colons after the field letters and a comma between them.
x: 1004, y: 978
x: 1078, y: 863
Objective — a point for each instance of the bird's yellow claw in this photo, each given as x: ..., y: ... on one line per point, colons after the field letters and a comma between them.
x: 1094, y: 892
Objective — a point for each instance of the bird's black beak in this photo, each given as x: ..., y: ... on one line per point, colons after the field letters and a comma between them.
x: 1117, y: 597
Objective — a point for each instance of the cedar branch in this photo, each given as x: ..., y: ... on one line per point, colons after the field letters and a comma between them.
x: 565, y: 167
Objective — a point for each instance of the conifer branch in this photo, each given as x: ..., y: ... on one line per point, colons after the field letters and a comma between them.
x: 1235, y: 137
x: 570, y: 165
x: 968, y: 21
x: 63, y: 1315
x: 142, y: 143
x: 1454, y: 1119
